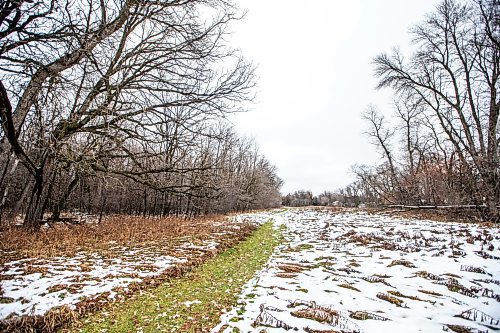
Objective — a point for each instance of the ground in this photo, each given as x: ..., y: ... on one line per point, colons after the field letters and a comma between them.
x: 333, y: 271
x: 357, y: 272
x: 195, y: 302
x: 56, y: 275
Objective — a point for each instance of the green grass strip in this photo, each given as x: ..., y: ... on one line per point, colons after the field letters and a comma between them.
x: 194, y: 302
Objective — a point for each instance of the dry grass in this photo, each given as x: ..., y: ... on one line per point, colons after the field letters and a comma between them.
x: 348, y: 286
x: 363, y: 315
x: 67, y: 240
x: 414, y: 298
x: 293, y: 268
x: 401, y: 262
x: 286, y: 275
x: 319, y: 314
x: 310, y: 330
x: 53, y: 320
x: 60, y: 317
x: 430, y: 292
x: 391, y: 299
x: 464, y: 329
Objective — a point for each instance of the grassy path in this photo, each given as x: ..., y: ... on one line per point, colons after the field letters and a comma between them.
x: 194, y: 302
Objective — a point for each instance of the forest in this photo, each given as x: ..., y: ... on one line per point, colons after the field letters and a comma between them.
x: 121, y: 107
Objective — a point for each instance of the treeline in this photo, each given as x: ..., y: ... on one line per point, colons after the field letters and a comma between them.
x: 120, y: 107
x: 440, y: 147
x: 350, y: 196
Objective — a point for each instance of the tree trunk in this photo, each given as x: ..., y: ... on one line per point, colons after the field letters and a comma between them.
x: 492, y: 200
x: 103, y: 204
x: 39, y: 195
x: 145, y: 202
x: 56, y: 214
x: 34, y: 210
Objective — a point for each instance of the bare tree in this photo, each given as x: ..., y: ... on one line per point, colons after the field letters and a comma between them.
x: 380, y: 135
x: 125, y: 88
x: 455, y: 71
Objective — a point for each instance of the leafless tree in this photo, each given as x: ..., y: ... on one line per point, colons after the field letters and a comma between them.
x: 454, y: 71
x: 119, y: 90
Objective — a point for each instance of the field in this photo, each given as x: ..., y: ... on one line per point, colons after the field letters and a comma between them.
x: 355, y: 272
x: 51, y: 278
x: 331, y: 271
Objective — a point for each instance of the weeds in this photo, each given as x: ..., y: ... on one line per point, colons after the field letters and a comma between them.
x: 429, y: 292
x: 348, y: 286
x: 391, y: 299
x: 402, y: 262
x: 363, y: 315
x: 114, y: 231
x: 414, y: 298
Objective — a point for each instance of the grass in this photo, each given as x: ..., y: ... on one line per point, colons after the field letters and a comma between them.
x: 194, y: 302
x: 67, y: 240
x: 391, y: 299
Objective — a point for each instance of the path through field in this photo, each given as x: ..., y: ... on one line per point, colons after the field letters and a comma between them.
x: 33, y: 286
x: 355, y: 272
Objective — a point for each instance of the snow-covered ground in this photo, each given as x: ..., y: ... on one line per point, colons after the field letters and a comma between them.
x: 33, y: 286
x: 355, y: 272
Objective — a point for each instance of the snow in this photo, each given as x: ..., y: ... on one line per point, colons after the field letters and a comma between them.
x: 325, y: 250
x: 189, y: 303
x: 66, y: 281
x: 33, y: 286
x: 309, y: 275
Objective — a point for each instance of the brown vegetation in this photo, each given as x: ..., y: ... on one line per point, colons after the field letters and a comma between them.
x: 349, y: 286
x: 391, y: 299
x: 141, y: 232
x: 318, y: 313
x: 67, y: 240
x: 430, y: 292
x: 402, y: 262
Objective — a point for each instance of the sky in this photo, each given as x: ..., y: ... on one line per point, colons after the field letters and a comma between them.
x: 315, y: 78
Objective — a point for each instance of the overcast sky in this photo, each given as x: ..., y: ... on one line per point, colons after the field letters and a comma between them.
x: 315, y: 78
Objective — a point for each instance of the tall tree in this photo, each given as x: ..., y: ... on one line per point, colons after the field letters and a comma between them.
x: 455, y: 71
x: 122, y: 87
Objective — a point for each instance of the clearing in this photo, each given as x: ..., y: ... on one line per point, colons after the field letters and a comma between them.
x: 333, y: 271
x: 357, y: 272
